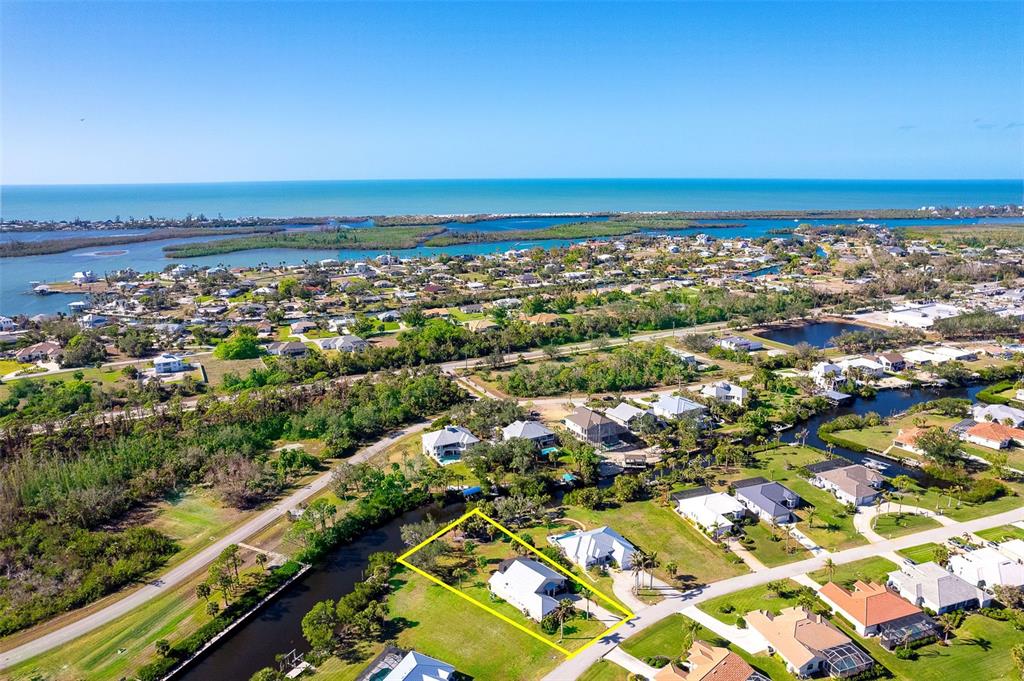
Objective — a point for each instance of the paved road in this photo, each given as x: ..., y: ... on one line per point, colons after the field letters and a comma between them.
x: 196, y: 563
x: 573, y: 668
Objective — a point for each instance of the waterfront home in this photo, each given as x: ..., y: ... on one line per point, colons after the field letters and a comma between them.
x: 592, y: 427
x: 287, y: 349
x: 906, y: 438
x: 987, y: 567
x: 955, y: 354
x: 675, y: 407
x: 417, y: 667
x: 534, y: 431
x: 724, y: 391
x: 86, y: 277
x: 625, y: 414
x: 770, y: 501
x: 740, y: 344
x: 874, y: 610
x: 715, y: 513
x: 91, y: 321
x: 528, y: 585
x: 600, y: 546
x: 37, y: 352
x: 998, y: 413
x: 930, y: 586
x: 861, y: 367
x: 825, y: 374
x: 447, y: 445
x: 918, y: 357
x: 849, y: 483
x: 7, y: 324
x: 705, y: 662
x: 809, y: 644
x: 892, y: 361
x: 169, y: 364
x: 993, y: 435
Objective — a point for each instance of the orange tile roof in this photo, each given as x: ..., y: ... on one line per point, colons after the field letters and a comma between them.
x: 909, y: 436
x: 995, y: 431
x: 708, y: 663
x: 869, y: 604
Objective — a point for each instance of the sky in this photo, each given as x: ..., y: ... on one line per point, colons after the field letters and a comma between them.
x: 206, y: 91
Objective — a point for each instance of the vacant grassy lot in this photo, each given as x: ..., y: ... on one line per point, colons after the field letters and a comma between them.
x: 739, y: 603
x: 770, y: 548
x: 874, y: 569
x: 922, y: 553
x: 665, y: 639
x: 438, y: 623
x: 217, y: 368
x: 193, y: 519
x: 652, y: 527
x: 891, y: 525
x: 1002, y: 533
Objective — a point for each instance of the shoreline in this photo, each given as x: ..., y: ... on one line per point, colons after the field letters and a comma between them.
x: 433, y: 219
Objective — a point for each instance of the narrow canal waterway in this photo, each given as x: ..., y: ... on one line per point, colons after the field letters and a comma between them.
x: 278, y: 627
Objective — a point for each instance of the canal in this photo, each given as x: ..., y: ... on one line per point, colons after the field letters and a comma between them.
x: 817, y: 334
x: 278, y: 627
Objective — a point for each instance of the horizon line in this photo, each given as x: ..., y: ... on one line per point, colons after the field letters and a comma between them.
x: 509, y: 179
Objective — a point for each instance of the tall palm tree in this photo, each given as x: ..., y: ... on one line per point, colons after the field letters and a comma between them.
x: 565, y: 610
x: 830, y: 568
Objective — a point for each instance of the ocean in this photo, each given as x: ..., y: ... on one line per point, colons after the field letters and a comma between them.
x: 442, y: 197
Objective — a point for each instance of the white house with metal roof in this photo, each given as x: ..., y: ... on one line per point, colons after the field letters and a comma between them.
x: 528, y: 585
x: 448, y: 444
x: 600, y: 546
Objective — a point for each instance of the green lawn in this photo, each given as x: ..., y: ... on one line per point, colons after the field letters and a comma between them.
x: 748, y: 600
x: 438, y: 623
x: 652, y: 527
x: 665, y: 639
x: 603, y: 670
x: 922, y: 553
x: 217, y: 368
x: 980, y: 649
x: 880, y: 437
x: 193, y: 519
x: 874, y: 569
x: 770, y: 552
x: 1001, y: 533
x: 336, y: 669
x: 891, y: 525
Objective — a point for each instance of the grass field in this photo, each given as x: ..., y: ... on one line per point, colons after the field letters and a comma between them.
x: 891, y: 525
x: 1001, y: 533
x: 438, y: 623
x: 216, y: 368
x: 665, y: 639
x: 770, y: 552
x: 193, y: 519
x: 922, y: 553
x: 652, y: 527
x: 748, y: 600
x: 874, y: 569
x: 603, y: 670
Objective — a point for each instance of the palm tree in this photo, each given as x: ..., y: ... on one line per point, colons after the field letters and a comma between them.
x: 639, y: 557
x: 830, y: 568
x: 651, y: 563
x: 261, y: 560
x: 564, y: 611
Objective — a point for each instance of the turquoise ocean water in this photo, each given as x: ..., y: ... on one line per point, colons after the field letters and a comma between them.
x: 395, y: 197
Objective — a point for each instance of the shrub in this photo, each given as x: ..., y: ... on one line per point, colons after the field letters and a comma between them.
x: 985, y: 489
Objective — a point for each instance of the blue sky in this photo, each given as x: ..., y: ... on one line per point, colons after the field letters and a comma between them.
x: 205, y: 91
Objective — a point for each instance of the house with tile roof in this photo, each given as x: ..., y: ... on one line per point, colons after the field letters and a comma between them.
x: 809, y: 644
x: 874, y: 610
x: 929, y: 585
x: 705, y: 662
x: 906, y: 438
x: 992, y: 435
x: 592, y: 427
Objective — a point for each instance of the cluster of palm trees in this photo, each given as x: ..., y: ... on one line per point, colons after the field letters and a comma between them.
x: 644, y: 563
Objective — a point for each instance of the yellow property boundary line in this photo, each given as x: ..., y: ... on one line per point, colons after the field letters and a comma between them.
x: 403, y: 560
